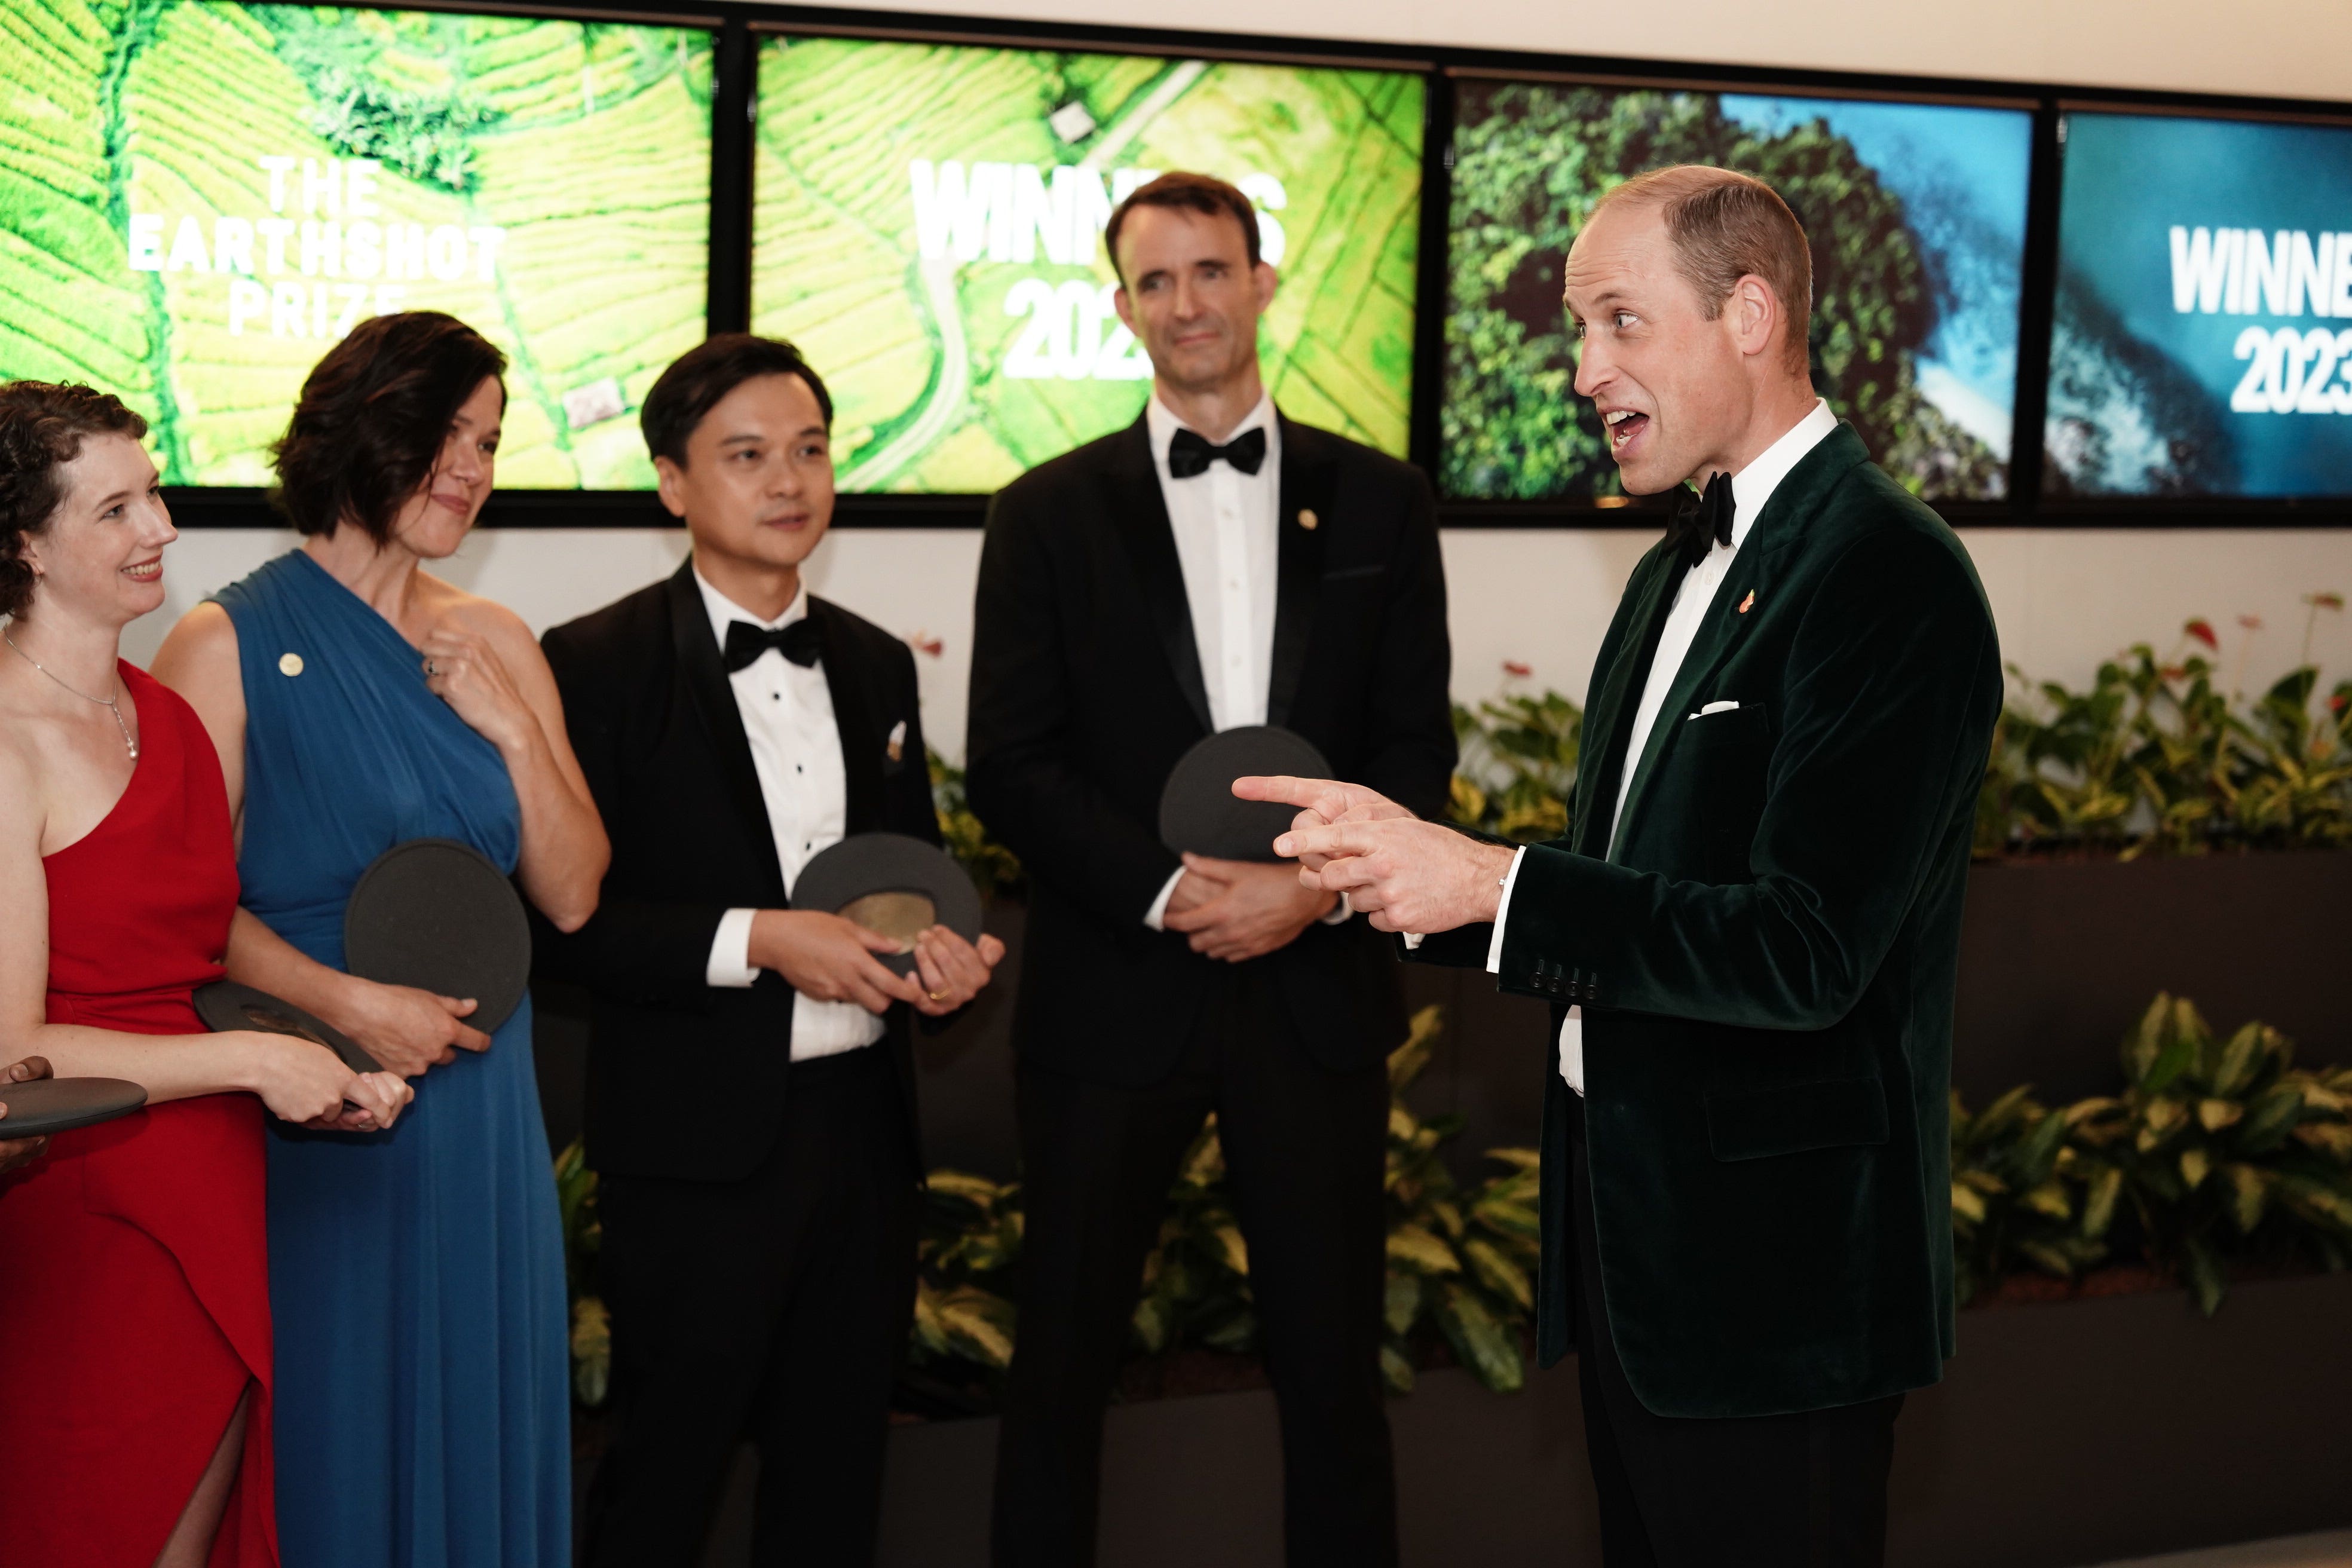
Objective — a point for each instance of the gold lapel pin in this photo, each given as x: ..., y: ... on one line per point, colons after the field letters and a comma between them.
x: 1308, y: 520
x: 1748, y: 601
x: 289, y: 664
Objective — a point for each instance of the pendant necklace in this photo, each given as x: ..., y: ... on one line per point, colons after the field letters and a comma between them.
x: 112, y: 704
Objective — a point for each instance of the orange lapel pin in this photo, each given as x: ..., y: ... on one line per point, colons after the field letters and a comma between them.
x: 1748, y: 601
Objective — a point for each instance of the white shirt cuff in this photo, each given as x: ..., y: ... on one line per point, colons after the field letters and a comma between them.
x: 1502, y: 912
x: 1340, y: 911
x: 730, y: 951
x: 1156, y: 917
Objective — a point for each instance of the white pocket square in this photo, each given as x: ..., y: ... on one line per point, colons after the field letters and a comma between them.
x: 898, y: 744
x: 1715, y: 708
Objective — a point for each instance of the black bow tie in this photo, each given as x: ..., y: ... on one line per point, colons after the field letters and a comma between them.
x: 1191, y: 453
x: 1703, y: 520
x: 798, y: 642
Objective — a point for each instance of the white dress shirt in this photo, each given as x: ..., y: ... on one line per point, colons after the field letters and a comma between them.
x: 1751, y: 487
x: 1228, y: 531
x: 787, y: 712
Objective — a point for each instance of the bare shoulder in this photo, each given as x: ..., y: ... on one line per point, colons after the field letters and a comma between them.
x: 470, y: 612
x: 486, y: 619
x: 202, y: 647
x: 26, y: 735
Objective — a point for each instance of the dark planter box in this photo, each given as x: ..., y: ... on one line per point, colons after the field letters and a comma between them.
x: 2057, y: 958
x: 2073, y: 1433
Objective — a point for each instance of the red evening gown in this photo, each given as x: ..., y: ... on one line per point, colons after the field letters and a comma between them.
x: 134, y: 1278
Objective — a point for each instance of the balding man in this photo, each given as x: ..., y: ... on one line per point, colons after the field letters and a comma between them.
x: 1750, y: 935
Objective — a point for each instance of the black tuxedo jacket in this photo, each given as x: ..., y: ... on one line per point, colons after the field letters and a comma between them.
x: 685, y: 1080
x: 1768, y: 958
x: 1087, y: 687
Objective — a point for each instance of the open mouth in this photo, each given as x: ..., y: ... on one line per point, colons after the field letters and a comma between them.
x: 144, y: 570
x: 1624, y: 425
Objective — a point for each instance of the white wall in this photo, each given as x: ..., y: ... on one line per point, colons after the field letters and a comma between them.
x: 2065, y: 599
x: 2277, y: 49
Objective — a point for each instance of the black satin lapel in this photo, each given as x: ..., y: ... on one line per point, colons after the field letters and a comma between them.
x: 704, y: 676
x: 855, y: 720
x: 1609, y: 723
x: 1309, y: 479
x: 1140, y: 514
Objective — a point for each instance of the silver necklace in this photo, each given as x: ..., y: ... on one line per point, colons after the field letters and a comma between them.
x: 112, y: 704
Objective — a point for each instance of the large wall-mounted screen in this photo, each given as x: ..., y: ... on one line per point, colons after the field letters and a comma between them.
x: 198, y: 198
x: 1917, y: 214
x: 928, y: 227
x: 2201, y: 342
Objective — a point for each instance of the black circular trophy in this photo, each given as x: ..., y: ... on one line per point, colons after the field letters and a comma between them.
x: 1198, y: 813
x: 894, y: 884
x: 48, y: 1105
x: 225, y: 1005
x: 437, y: 915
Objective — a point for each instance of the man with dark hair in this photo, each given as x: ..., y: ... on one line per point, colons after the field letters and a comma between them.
x: 1750, y: 935
x: 750, y: 1073
x: 1214, y: 566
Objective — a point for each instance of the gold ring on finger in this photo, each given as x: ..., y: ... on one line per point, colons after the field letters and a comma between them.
x: 937, y: 996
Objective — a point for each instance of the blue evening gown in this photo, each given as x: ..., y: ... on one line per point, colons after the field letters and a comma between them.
x: 416, y: 1275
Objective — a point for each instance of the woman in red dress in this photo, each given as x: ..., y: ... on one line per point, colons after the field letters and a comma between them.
x: 134, y: 1289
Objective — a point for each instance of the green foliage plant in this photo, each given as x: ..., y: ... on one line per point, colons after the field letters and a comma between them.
x: 1518, y: 772
x: 2219, y: 1152
x: 969, y: 1243
x: 2225, y: 1149
x: 1461, y: 1258
x: 590, y: 1329
x: 2023, y: 1195
x: 994, y: 869
x: 2156, y: 757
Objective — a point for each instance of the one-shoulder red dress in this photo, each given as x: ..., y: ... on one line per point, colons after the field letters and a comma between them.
x: 134, y: 1276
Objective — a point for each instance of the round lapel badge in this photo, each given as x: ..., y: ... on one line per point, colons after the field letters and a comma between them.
x: 289, y: 664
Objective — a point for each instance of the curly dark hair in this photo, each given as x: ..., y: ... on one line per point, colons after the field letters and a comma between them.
x: 42, y: 424
x: 373, y: 416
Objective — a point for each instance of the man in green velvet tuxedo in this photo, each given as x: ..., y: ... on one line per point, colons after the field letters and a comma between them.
x: 1750, y: 934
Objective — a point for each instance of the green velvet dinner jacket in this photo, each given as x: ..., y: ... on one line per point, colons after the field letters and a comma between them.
x: 1766, y: 958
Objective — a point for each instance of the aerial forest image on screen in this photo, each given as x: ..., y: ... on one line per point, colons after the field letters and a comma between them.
x: 201, y: 198
x: 928, y: 227
x: 1917, y: 214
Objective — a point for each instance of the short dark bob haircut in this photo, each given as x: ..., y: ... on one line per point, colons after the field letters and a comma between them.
x: 42, y: 426
x: 697, y: 380
x: 1203, y: 193
x: 373, y: 418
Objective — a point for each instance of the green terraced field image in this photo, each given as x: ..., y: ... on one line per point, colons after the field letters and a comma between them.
x: 928, y: 221
x: 197, y: 199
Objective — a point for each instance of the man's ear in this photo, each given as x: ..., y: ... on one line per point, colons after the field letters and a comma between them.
x: 1754, y: 313
x: 1267, y: 280
x: 670, y: 481
x: 1120, y: 303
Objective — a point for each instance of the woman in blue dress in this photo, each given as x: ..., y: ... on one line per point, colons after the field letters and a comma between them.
x: 358, y: 702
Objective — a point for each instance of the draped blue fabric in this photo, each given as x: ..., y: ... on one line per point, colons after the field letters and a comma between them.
x: 416, y: 1275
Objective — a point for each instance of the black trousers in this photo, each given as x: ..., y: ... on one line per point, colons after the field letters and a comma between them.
x: 1305, y: 1150
x: 1803, y: 1490
x: 777, y: 1308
